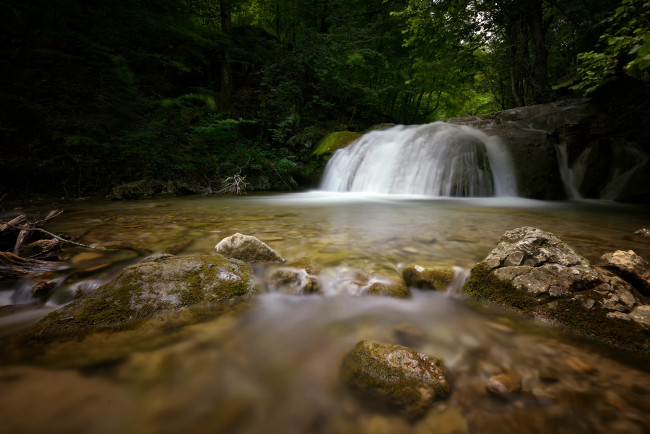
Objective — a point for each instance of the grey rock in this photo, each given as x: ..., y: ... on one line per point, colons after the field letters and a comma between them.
x: 248, y: 249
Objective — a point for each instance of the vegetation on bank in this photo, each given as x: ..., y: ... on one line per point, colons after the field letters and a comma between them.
x: 96, y: 94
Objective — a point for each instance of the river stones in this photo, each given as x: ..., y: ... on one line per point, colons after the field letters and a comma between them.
x: 535, y: 272
x: 156, y: 284
x: 248, y: 249
x: 438, y: 277
x: 629, y: 266
x: 395, y: 375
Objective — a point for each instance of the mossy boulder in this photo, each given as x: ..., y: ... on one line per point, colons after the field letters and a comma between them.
x: 394, y: 375
x: 155, y: 284
x: 534, y: 272
x: 247, y: 248
x: 629, y: 266
x: 435, y: 277
x: 334, y: 141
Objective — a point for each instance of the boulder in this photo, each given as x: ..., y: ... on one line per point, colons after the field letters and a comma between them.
x: 629, y: 266
x: 397, y: 376
x: 155, y: 284
x: 248, y: 249
x: 535, y: 272
x: 438, y: 277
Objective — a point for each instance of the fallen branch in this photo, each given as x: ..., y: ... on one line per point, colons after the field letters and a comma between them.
x: 13, y: 266
x: 61, y: 239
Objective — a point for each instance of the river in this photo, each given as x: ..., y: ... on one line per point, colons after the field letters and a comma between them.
x: 272, y: 367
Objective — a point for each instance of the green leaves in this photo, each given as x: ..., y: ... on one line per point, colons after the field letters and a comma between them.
x: 624, y: 47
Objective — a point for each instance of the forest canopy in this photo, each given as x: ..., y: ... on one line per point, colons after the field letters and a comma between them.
x: 96, y: 93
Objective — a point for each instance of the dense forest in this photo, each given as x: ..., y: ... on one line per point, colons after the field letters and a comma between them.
x: 96, y: 93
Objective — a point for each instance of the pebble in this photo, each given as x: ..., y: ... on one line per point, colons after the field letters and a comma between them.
x: 504, y: 384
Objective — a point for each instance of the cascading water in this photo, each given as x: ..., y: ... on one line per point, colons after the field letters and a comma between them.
x: 437, y: 159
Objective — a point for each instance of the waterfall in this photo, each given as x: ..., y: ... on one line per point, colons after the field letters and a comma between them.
x: 437, y: 159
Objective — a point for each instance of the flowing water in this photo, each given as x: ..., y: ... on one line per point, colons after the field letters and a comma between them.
x: 440, y: 159
x: 272, y: 366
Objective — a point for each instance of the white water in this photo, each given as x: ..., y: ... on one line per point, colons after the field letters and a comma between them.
x: 437, y: 159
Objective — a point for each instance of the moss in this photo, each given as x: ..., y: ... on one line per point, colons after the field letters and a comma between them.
x: 334, y: 141
x: 133, y: 296
x: 481, y: 283
x: 375, y: 371
x: 438, y: 278
x: 594, y: 324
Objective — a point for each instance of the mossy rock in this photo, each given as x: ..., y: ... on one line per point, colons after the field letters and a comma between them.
x: 394, y: 375
x: 438, y: 277
x: 157, y: 284
x: 334, y: 141
x: 142, y: 189
x: 594, y: 323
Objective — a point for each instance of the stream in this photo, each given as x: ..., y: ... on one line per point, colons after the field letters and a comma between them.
x: 273, y: 365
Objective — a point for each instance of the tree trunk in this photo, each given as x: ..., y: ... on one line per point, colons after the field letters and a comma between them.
x: 539, y: 75
x: 226, y: 66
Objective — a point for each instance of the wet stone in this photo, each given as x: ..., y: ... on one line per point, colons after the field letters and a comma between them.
x: 406, y: 380
x: 504, y: 385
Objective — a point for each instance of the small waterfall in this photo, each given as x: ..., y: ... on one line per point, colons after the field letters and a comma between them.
x: 571, y: 175
x: 437, y: 159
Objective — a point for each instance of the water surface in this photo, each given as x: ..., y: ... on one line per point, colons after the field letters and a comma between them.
x: 273, y: 366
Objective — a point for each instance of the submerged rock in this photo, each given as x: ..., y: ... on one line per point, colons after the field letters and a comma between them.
x: 291, y: 280
x: 504, y: 385
x: 357, y: 282
x: 642, y: 235
x: 438, y: 278
x: 395, y: 375
x: 535, y: 272
x: 155, y: 284
x: 629, y: 266
x: 248, y: 249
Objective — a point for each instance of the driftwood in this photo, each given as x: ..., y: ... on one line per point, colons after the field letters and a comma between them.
x: 13, y: 266
x: 235, y: 184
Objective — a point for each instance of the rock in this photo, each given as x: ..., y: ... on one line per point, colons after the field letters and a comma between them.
x: 504, y: 385
x: 409, y: 334
x: 156, y: 284
x: 357, y: 282
x: 642, y: 235
x: 534, y: 272
x: 580, y: 365
x: 629, y: 266
x: 290, y: 280
x: 395, y: 375
x: 438, y: 278
x: 149, y: 188
x: 143, y: 189
x: 248, y: 249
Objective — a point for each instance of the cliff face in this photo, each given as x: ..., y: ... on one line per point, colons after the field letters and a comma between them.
x: 589, y: 148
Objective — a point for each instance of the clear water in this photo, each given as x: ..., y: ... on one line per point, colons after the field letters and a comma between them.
x: 273, y: 367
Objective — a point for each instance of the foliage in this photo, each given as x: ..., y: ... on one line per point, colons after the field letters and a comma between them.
x: 624, y: 46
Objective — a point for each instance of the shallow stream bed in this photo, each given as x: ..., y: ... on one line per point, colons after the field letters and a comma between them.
x: 273, y: 365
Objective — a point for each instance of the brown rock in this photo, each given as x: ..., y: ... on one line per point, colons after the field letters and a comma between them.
x: 504, y: 385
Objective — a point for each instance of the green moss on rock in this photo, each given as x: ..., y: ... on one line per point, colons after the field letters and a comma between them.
x: 334, y: 141
x: 151, y: 286
x: 438, y: 277
x: 397, y: 376
x: 482, y: 284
